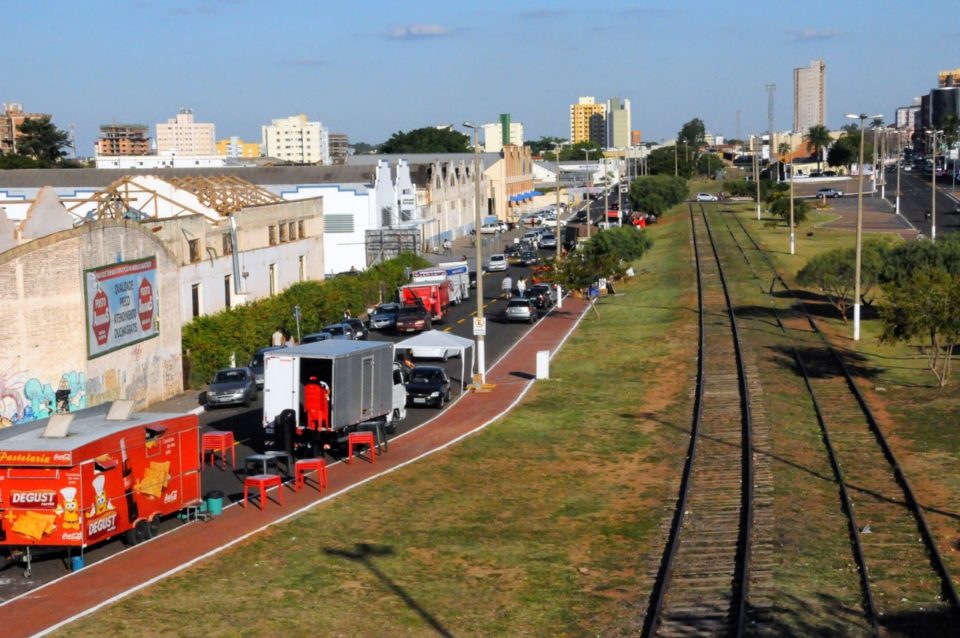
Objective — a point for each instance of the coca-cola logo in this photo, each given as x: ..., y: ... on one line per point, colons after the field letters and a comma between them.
x: 98, y: 526
x: 171, y: 497
x: 62, y: 457
x: 72, y: 536
x: 38, y: 498
x: 145, y: 306
x: 101, y: 317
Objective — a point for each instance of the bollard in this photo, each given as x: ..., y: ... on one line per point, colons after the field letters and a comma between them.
x: 543, y: 364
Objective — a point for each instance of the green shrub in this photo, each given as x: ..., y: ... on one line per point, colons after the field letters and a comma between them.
x: 209, y: 341
x: 657, y: 193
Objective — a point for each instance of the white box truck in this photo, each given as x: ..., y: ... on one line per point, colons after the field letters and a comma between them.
x: 365, y: 387
x: 458, y: 272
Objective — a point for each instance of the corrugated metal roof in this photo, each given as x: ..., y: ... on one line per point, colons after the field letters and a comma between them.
x: 331, y: 348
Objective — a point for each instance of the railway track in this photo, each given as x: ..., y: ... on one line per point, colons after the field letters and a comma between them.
x: 905, y: 583
x: 702, y: 584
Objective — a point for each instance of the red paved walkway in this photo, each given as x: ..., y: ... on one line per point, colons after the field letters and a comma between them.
x: 109, y: 580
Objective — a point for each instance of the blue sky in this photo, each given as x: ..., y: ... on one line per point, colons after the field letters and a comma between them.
x: 370, y: 68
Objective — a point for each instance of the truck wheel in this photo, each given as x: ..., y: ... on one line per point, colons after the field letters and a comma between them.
x: 153, y: 527
x: 392, y: 423
x: 137, y: 534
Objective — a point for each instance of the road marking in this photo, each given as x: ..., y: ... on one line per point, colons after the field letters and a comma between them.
x: 462, y: 320
x: 448, y: 329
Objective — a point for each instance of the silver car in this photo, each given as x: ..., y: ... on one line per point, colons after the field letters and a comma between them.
x: 231, y: 386
x: 521, y: 310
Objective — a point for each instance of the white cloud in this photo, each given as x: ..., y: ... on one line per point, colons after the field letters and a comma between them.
x: 418, y: 32
x: 813, y: 35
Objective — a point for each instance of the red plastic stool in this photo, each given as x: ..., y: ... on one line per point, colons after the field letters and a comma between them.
x: 303, y: 467
x: 361, y: 438
x: 263, y: 482
x: 217, y: 440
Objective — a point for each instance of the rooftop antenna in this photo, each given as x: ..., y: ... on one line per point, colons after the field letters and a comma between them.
x: 771, y: 90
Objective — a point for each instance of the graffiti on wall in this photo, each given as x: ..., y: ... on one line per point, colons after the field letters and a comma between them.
x: 25, y: 399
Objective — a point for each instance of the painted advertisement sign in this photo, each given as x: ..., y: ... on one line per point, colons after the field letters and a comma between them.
x: 121, y: 305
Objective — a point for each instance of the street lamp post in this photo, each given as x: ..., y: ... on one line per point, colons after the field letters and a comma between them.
x: 606, y: 192
x: 756, y: 179
x: 933, y: 184
x: 792, y: 234
x: 899, y: 141
x: 589, y: 190
x: 556, y: 267
x: 856, y: 283
x: 481, y: 351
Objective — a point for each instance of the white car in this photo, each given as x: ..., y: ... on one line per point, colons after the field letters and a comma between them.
x: 490, y: 228
x: 707, y: 197
x: 497, y: 261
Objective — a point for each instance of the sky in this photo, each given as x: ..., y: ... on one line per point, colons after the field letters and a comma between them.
x: 371, y: 68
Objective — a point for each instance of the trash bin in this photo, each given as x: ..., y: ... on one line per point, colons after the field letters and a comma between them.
x: 76, y: 563
x: 214, y: 501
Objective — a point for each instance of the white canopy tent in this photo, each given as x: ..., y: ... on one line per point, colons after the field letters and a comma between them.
x: 438, y: 344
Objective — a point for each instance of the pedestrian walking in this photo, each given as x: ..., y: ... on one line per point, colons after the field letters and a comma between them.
x: 521, y: 287
x: 447, y: 247
x: 506, y: 287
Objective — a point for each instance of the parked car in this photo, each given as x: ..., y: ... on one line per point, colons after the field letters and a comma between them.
x: 384, y: 316
x: 707, y: 197
x: 342, y: 330
x: 533, y: 237
x: 313, y: 337
x: 529, y: 258
x: 489, y: 228
x: 231, y: 386
x: 829, y: 192
x: 360, y: 331
x: 413, y: 318
x: 521, y: 310
x: 428, y: 385
x: 497, y: 261
x: 256, y: 364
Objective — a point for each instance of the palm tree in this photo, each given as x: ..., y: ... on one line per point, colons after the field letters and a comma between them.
x: 783, y: 149
x: 818, y: 137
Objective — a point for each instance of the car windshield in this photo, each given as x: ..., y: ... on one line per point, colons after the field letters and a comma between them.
x: 336, y: 330
x: 408, y: 312
x: 386, y: 309
x: 257, y: 360
x: 496, y: 257
x: 519, y: 303
x: 230, y: 376
x: 426, y: 376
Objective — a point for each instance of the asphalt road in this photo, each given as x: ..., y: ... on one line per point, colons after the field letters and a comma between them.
x: 246, y: 425
x: 915, y: 201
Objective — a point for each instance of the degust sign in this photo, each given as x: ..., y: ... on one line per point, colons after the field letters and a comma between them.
x: 121, y: 305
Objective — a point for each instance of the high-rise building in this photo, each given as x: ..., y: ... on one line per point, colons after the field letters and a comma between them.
x: 182, y: 136
x: 948, y: 78
x: 123, y: 139
x: 294, y: 139
x: 339, y: 148
x: 236, y: 148
x: 588, y: 122
x: 618, y: 123
x: 809, y: 96
x: 13, y: 116
x: 635, y: 137
x: 501, y: 133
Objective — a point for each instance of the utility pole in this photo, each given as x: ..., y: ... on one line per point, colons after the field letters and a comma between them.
x: 771, y: 90
x: 589, y: 191
x: 756, y: 177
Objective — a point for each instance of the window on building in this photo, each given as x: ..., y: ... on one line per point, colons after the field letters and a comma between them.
x: 292, y: 227
x: 227, y: 290
x: 282, y: 227
x: 300, y: 232
x: 195, y: 299
x: 303, y: 268
x: 272, y: 270
x: 193, y: 246
x: 227, y: 244
x: 272, y: 231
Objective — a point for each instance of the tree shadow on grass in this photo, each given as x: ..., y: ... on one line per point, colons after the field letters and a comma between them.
x: 364, y: 554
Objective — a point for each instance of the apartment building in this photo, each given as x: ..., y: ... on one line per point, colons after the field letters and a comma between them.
x: 618, y: 123
x: 809, y: 96
x: 588, y: 121
x: 297, y: 140
x: 13, y: 116
x: 123, y: 139
x: 234, y: 147
x: 501, y: 133
x: 181, y: 135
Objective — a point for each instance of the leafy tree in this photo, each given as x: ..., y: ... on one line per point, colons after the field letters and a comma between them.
x: 545, y: 145
x: 657, y: 193
x: 739, y: 188
x: 17, y: 161
x: 661, y: 161
x: 925, y: 308
x: 709, y: 164
x: 833, y: 272
x: 427, y: 140
x: 576, y: 152
x: 781, y: 208
x: 362, y: 148
x: 818, y: 138
x: 694, y: 133
x: 607, y: 254
x: 846, y: 150
x: 909, y: 257
x: 41, y: 140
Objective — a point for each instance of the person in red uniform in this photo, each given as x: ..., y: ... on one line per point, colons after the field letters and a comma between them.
x: 316, y: 402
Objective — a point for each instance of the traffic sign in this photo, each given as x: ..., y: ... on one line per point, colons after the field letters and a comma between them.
x: 479, y: 326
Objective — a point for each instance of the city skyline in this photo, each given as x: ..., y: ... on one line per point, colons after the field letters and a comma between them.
x: 371, y: 69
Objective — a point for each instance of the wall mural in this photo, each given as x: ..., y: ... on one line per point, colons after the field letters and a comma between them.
x: 24, y: 401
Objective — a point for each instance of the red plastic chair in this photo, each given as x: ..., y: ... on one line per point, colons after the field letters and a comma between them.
x: 217, y: 440
x: 304, y: 467
x: 361, y: 438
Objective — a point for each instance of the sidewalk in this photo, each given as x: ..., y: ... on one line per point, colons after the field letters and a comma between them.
x: 80, y: 593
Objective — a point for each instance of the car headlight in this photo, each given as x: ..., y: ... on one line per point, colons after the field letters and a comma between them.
x: 434, y: 395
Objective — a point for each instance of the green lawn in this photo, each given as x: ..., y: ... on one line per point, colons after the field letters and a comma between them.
x: 544, y: 524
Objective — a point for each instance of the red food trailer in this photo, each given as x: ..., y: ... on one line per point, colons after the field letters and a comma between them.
x: 78, y: 479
